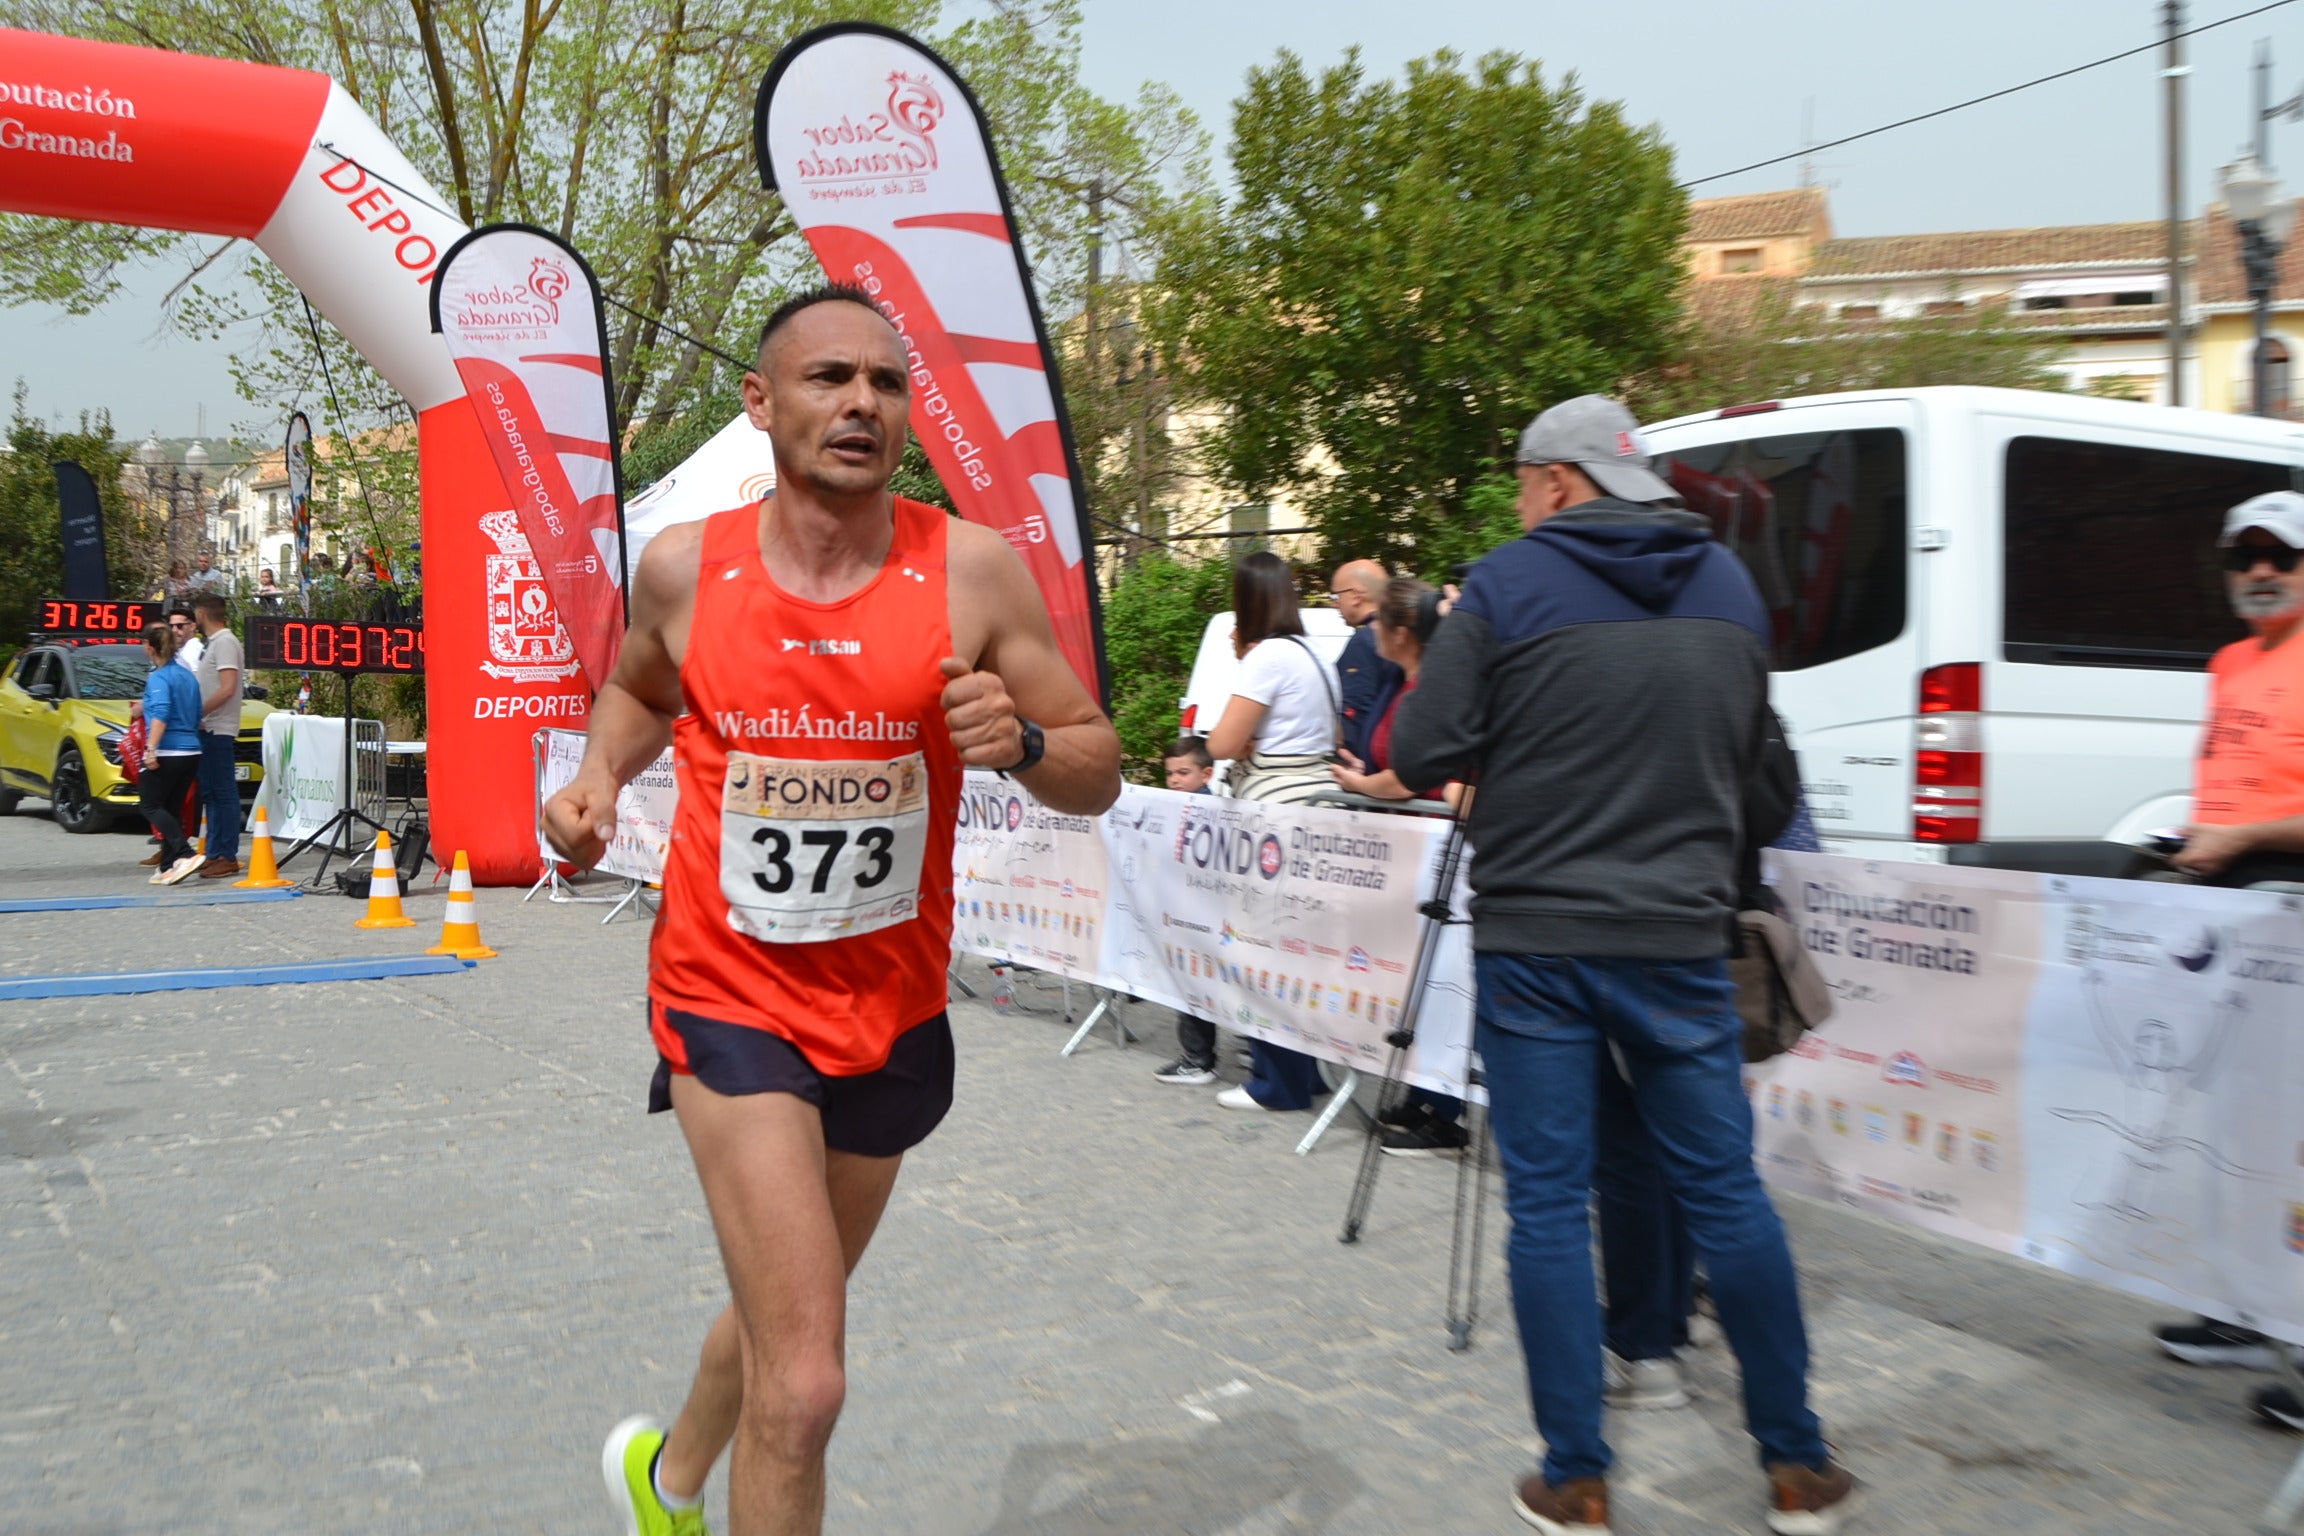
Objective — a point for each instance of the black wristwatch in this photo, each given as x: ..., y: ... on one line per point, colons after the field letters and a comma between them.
x: 1035, y: 748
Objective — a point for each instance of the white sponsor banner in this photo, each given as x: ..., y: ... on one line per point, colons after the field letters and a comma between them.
x: 2165, y: 1128
x: 644, y: 808
x: 1293, y: 924
x: 2097, y: 1075
x: 304, y: 770
x: 1909, y: 1102
x: 1032, y: 885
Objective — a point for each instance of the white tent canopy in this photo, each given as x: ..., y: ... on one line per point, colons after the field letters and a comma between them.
x: 734, y: 467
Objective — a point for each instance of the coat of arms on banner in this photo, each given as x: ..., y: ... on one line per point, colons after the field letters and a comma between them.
x: 526, y: 640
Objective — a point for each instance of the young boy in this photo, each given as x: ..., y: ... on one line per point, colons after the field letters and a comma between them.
x: 1189, y: 770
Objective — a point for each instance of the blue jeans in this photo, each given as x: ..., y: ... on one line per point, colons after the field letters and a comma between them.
x: 1646, y: 1260
x: 1543, y: 1027
x: 1280, y: 1078
x: 220, y: 793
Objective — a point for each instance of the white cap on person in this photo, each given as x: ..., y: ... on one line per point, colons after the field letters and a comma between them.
x: 2278, y: 513
x: 1599, y: 437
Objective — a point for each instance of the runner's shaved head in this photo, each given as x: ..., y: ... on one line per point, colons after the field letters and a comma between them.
x: 827, y: 293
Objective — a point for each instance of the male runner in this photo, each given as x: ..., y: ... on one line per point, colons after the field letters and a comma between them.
x: 824, y: 664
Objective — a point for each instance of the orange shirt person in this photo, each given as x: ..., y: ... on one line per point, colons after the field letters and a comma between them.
x: 2248, y: 781
x: 824, y: 664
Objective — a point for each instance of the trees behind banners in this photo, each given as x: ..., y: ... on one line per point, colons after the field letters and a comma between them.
x: 1409, y: 270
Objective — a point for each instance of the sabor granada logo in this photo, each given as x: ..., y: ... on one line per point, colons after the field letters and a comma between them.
x: 535, y: 301
x: 898, y: 142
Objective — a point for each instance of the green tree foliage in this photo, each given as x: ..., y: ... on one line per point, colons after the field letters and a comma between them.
x: 1768, y: 346
x: 31, y: 541
x: 1153, y: 619
x: 1408, y: 271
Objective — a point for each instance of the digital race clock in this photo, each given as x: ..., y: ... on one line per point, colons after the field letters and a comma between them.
x: 329, y: 645
x: 83, y: 619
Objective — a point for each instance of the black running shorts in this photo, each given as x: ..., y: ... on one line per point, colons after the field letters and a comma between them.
x: 877, y: 1114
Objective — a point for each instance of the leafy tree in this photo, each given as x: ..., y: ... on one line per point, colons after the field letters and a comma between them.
x: 1153, y: 618
x: 1408, y: 271
x: 31, y: 540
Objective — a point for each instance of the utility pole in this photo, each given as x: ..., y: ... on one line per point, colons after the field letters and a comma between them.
x: 2174, y: 72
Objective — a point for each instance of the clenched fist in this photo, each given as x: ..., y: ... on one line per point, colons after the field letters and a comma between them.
x: 980, y: 716
x: 581, y: 819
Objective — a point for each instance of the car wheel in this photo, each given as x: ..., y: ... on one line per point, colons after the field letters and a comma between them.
x: 9, y: 800
x: 76, y: 807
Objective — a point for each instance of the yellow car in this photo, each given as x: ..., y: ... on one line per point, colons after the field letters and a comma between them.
x: 63, y: 710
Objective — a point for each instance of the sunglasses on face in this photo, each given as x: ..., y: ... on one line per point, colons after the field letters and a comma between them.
x: 2243, y: 557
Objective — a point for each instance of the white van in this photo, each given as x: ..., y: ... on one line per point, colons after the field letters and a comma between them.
x: 1214, y: 668
x: 1992, y: 608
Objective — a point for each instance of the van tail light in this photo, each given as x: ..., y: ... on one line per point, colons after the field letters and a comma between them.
x: 1191, y: 713
x: 1948, y: 756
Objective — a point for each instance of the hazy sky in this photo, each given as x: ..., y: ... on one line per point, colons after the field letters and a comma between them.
x: 1727, y: 83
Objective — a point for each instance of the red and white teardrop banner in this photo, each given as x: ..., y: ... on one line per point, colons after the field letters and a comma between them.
x: 520, y: 311
x: 882, y: 158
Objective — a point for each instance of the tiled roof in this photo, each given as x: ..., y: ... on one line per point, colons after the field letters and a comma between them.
x: 2217, y: 275
x: 1757, y: 215
x: 1996, y: 250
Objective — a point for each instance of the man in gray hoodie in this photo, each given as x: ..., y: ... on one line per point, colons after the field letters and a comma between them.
x: 1605, y: 681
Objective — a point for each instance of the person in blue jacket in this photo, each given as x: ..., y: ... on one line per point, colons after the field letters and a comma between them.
x: 171, y: 753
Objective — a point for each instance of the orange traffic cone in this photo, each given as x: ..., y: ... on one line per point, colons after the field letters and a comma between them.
x: 384, y: 891
x: 460, y: 935
x: 263, y: 874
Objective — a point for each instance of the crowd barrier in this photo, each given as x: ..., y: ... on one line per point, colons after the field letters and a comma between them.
x: 2100, y: 1076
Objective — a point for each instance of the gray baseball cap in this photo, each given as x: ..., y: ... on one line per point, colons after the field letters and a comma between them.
x: 1598, y: 436
x: 2278, y: 513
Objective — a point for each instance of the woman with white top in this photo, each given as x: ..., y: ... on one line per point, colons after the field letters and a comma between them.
x: 1279, y: 732
x: 1279, y: 729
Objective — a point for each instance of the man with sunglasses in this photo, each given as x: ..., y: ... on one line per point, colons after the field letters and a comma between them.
x: 2248, y: 784
x: 2248, y: 806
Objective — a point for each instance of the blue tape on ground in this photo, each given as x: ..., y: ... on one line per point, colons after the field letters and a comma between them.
x: 192, y: 898
x: 108, y: 983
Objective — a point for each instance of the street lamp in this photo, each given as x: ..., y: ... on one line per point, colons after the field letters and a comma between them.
x: 2265, y: 220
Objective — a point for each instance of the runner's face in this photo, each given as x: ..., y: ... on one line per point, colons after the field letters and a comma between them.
x: 833, y: 393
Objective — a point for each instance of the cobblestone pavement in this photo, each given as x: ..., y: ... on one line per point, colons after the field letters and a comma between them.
x: 392, y: 1256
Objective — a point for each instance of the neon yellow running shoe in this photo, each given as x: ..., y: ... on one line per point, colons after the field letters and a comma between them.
x: 628, y: 1463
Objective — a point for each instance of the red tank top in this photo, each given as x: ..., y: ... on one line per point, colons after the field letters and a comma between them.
x: 808, y: 890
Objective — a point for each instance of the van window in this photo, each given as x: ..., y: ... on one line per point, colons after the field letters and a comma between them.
x: 2112, y: 557
x: 1818, y: 518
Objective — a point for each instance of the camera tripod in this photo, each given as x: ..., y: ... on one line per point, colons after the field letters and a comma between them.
x: 1436, y: 913
x: 339, y: 837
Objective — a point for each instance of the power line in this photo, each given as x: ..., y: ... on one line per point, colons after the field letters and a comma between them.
x: 605, y: 296
x: 344, y: 427
x: 1975, y: 101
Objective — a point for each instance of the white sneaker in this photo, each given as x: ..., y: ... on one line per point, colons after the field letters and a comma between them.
x: 181, y: 869
x: 1641, y: 1384
x: 1241, y: 1098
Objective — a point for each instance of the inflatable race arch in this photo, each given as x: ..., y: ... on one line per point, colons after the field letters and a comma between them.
x: 285, y: 158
